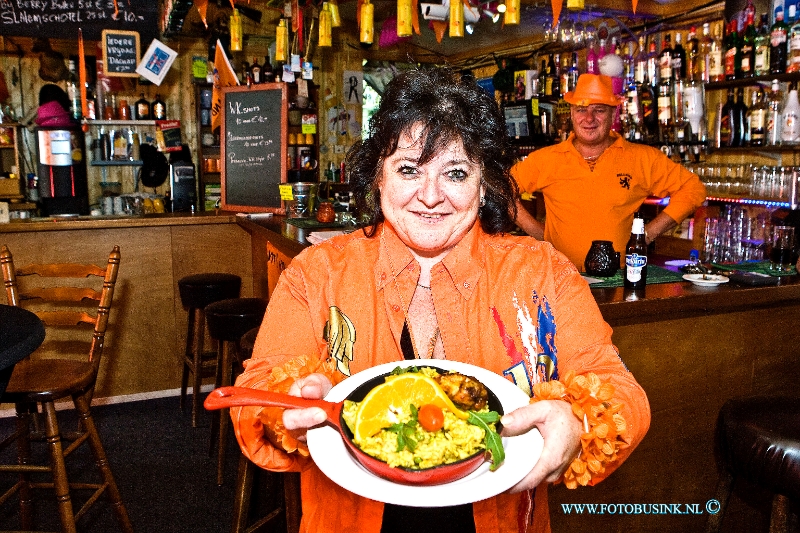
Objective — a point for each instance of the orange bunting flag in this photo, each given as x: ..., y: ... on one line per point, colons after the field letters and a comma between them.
x: 634, y: 3
x: 82, y: 75
x: 224, y: 76
x: 557, y: 4
x: 415, y: 16
x: 439, y: 27
x: 202, y: 8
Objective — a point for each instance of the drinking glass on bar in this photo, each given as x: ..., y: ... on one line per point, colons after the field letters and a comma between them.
x: 782, y: 255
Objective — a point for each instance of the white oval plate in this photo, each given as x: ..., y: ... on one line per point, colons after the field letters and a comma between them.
x: 706, y: 280
x: 331, y: 456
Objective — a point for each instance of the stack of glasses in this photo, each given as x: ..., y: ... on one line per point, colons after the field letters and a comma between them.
x: 736, y: 235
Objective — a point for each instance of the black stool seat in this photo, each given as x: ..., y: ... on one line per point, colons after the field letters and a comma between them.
x: 199, y: 290
x: 229, y: 319
x: 760, y: 440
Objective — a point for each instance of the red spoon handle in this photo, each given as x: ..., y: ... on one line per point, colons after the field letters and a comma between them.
x: 224, y: 397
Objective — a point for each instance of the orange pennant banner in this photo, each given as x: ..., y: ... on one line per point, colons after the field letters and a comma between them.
x: 82, y: 75
x: 439, y: 27
x: 202, y: 8
x: 557, y: 4
x: 415, y: 16
x: 634, y: 3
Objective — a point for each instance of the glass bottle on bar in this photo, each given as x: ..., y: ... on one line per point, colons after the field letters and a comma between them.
x: 778, y: 45
x: 757, y: 120
x: 692, y: 54
x: 793, y: 61
x: 716, y: 67
x: 255, y: 71
x: 790, y: 119
x: 665, y: 105
x: 74, y: 92
x: 733, y: 52
x: 142, y: 108
x: 748, y: 43
x: 665, y: 60
x: 679, y: 58
x: 739, y: 118
x: 652, y: 65
x: 762, y: 46
x: 640, y: 62
x: 648, y: 113
x: 636, y: 257
x: 158, y: 109
x: 727, y: 122
x: 774, y: 115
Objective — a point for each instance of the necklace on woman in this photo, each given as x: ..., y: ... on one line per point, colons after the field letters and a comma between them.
x: 434, y: 340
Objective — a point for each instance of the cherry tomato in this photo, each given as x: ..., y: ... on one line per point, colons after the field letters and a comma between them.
x: 430, y: 417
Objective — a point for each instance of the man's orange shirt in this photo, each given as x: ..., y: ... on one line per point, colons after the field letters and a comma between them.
x: 584, y: 205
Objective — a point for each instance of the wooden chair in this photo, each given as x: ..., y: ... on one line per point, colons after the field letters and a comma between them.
x: 40, y: 382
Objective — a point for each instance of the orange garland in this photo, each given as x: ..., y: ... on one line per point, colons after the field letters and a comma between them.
x: 603, y: 423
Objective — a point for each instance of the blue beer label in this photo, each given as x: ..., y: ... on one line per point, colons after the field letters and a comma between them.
x: 634, y: 263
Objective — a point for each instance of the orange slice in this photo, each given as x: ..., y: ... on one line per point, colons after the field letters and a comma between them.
x: 379, y: 407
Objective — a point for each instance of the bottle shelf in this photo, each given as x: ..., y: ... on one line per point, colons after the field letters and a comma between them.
x: 120, y: 122
x: 755, y: 80
x: 126, y: 163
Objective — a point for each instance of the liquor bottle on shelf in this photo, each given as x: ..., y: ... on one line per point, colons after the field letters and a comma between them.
x: 665, y: 108
x: 678, y: 59
x: 727, y: 122
x: 267, y: 73
x: 73, y: 92
x: 652, y: 65
x: 648, y: 105
x: 793, y: 62
x: 591, y: 58
x: 246, y: 76
x: 774, y: 115
x: 550, y: 75
x: 636, y: 257
x: 790, y: 119
x: 556, y: 76
x: 640, y: 62
x: 91, y: 102
x: 778, y: 45
x: 141, y: 108
x: 255, y: 71
x: 694, y: 109
x: 628, y: 64
x: 543, y: 91
x: 762, y: 46
x: 692, y: 54
x: 572, y: 73
x: 665, y: 60
x: 158, y: 109
x: 757, y: 120
x: 748, y: 43
x: 716, y: 67
x: 733, y: 52
x: 739, y: 118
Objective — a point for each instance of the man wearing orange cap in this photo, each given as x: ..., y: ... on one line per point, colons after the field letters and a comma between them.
x: 595, y: 181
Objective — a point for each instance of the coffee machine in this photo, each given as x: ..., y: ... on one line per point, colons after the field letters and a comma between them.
x: 63, y: 186
x: 182, y: 186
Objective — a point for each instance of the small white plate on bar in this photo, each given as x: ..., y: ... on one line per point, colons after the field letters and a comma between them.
x: 706, y: 280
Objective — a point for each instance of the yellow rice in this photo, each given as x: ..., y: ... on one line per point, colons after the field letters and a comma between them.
x: 455, y: 441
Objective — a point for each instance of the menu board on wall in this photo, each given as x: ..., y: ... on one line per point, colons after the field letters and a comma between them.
x: 253, y: 147
x: 62, y: 19
x: 120, y: 52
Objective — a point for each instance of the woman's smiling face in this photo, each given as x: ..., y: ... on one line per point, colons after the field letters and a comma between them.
x: 430, y: 206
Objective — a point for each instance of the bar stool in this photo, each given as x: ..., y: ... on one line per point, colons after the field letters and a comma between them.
x: 228, y: 320
x: 759, y: 440
x: 268, y: 484
x: 197, y: 291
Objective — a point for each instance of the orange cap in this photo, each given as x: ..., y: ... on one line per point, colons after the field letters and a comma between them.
x: 593, y: 89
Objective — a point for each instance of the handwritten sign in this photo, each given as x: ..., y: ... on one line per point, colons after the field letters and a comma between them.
x: 253, y: 147
x: 120, y: 52
x: 63, y: 18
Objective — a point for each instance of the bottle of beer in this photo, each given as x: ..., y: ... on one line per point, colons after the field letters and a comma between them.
x: 142, y: 108
x: 636, y: 257
x: 158, y: 109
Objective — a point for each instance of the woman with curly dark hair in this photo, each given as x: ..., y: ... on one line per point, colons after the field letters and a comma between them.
x: 434, y: 276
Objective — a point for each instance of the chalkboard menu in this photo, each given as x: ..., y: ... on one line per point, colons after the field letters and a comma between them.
x: 120, y: 53
x: 62, y: 18
x: 253, y: 147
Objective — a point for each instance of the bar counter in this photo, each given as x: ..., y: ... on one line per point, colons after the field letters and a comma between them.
x: 691, y: 349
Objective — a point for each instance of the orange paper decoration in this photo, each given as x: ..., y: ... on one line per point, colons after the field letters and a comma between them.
x: 202, y: 8
x: 439, y: 26
x: 557, y: 4
x: 634, y: 3
x: 82, y: 75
